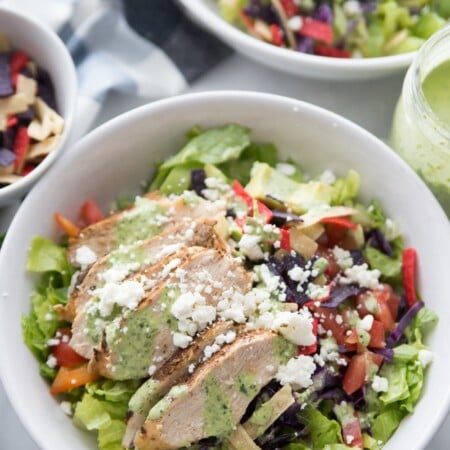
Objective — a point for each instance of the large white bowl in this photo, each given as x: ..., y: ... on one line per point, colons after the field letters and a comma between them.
x: 206, y: 13
x: 115, y: 159
x: 44, y: 47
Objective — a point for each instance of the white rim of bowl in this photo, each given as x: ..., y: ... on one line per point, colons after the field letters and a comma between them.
x: 159, y: 107
x: 219, y: 26
x: 33, y: 176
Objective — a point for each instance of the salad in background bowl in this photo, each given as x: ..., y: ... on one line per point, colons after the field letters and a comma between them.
x: 331, y: 40
x: 148, y: 141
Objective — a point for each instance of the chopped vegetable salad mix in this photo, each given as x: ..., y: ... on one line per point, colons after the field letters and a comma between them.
x: 338, y: 284
x: 340, y: 28
x: 30, y: 128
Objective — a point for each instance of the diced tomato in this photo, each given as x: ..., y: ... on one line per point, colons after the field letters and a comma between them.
x: 90, y: 212
x: 70, y: 378
x: 20, y: 147
x: 277, y: 35
x: 384, y: 313
x: 244, y: 195
x: 377, y: 335
x: 64, y: 353
x: 328, y: 321
x: 360, y: 367
x: 314, y: 29
x: 326, y: 50
x: 285, y: 241
x: 66, y: 225
x: 409, y: 263
x: 310, y: 349
x: 290, y: 7
x: 351, y: 432
x: 336, y: 229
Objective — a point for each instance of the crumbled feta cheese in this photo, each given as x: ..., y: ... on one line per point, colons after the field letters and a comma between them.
x: 349, y: 438
x: 296, y: 327
x: 84, y: 256
x: 204, y: 315
x: 286, y: 168
x: 361, y: 275
x: 52, y: 362
x: 327, y: 177
x: 66, y: 408
x: 299, y: 274
x: 181, y: 340
x: 315, y: 291
x: 343, y: 257
x: 151, y: 369
x: 380, y: 384
x: 191, y: 368
x: 366, y: 323
x: 48, y: 317
x: 53, y: 342
x: 127, y: 294
x: 183, y: 306
x: 210, y: 350
x: 248, y: 245
x: 352, y: 8
x: 425, y: 357
x: 227, y: 338
x: 297, y: 372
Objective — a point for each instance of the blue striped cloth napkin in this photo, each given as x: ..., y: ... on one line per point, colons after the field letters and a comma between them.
x: 138, y: 47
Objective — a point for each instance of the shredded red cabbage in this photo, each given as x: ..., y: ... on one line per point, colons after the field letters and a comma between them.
x: 324, y: 14
x: 340, y: 294
x: 198, y: 177
x: 281, y: 217
x: 398, y: 331
x: 7, y: 157
x: 6, y: 88
x: 377, y: 239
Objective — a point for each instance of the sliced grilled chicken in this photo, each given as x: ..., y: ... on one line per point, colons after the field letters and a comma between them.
x: 151, y: 279
x: 148, y: 217
x: 214, y: 399
x: 144, y: 337
x: 133, y: 258
x: 174, y: 371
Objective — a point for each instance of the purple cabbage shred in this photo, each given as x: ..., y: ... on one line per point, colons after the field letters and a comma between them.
x: 6, y: 88
x: 7, y: 157
x: 257, y: 10
x: 377, y: 239
x: 281, y: 217
x: 305, y: 45
x: 357, y: 257
x: 324, y: 14
x: 341, y: 293
x: 198, y: 177
x: 399, y: 330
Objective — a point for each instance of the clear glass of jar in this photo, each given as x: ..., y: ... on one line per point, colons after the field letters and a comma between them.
x: 421, y: 127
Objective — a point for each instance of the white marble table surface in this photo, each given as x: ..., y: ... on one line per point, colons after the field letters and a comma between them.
x: 368, y: 103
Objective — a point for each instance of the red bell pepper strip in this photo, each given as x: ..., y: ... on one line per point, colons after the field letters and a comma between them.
x: 17, y: 62
x: 263, y: 210
x: 20, y: 147
x: 12, y: 121
x: 285, y: 241
x: 290, y: 8
x: 409, y: 262
x: 66, y: 225
x: 325, y: 50
x: 277, y: 35
x: 314, y: 29
x: 90, y: 212
x: 310, y: 349
x: 341, y: 221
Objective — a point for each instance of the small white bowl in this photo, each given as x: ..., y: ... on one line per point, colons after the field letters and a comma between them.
x: 44, y: 47
x: 206, y: 13
x: 113, y: 161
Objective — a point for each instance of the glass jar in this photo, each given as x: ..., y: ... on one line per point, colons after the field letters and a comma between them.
x: 421, y: 127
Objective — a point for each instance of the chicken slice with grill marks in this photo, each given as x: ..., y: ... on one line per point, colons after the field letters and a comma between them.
x: 88, y: 324
x: 148, y: 217
x: 135, y: 257
x: 214, y: 399
x: 172, y: 372
x: 143, y: 337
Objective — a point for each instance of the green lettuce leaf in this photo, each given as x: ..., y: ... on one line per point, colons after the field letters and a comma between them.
x: 323, y: 431
x: 386, y: 423
x: 346, y: 189
x: 239, y: 169
x: 229, y: 9
x: 213, y: 146
x: 422, y: 324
